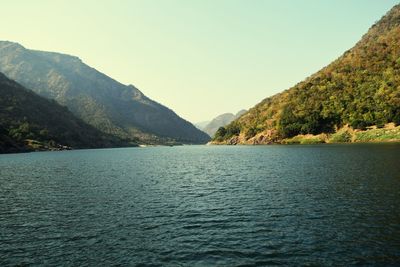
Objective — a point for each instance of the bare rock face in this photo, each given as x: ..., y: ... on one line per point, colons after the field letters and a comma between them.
x: 265, y: 138
x: 234, y: 140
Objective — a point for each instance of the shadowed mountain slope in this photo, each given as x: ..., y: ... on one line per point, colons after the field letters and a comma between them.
x: 29, y: 122
x: 106, y: 104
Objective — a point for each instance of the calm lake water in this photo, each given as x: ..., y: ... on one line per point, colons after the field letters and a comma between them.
x: 202, y: 206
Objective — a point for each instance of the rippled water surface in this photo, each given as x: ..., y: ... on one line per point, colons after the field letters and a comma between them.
x: 202, y: 206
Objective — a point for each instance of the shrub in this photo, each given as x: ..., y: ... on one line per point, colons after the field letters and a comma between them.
x: 220, y: 134
x: 359, y: 124
x: 251, y: 132
x: 342, y: 136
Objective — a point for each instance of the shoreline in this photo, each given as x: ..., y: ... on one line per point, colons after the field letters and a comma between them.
x: 388, y: 134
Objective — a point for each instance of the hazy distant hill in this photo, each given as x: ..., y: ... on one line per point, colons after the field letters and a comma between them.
x: 221, y: 120
x: 99, y: 100
x: 29, y: 122
x: 201, y: 125
x: 360, y: 88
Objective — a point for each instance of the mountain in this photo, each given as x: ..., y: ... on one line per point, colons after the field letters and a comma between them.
x: 201, y: 125
x: 30, y: 122
x: 359, y: 89
x: 102, y: 102
x: 221, y: 120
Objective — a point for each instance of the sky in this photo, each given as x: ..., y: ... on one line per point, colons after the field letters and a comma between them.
x: 200, y: 58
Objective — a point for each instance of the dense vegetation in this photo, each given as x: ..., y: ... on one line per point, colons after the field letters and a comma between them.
x: 30, y: 122
x: 361, y: 88
x: 349, y: 135
x: 97, y: 99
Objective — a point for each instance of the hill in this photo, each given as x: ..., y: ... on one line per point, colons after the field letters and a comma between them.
x: 219, y: 121
x: 201, y: 125
x: 99, y: 100
x: 359, y: 89
x: 29, y: 122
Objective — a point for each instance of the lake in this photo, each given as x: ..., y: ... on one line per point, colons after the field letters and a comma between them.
x: 202, y: 206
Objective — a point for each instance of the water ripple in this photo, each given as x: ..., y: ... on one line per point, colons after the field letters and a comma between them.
x: 332, y: 205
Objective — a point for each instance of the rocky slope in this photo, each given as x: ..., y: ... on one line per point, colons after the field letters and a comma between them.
x: 102, y: 102
x: 359, y: 89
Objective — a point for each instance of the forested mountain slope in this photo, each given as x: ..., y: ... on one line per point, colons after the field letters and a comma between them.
x: 99, y: 100
x: 360, y: 88
x: 30, y: 122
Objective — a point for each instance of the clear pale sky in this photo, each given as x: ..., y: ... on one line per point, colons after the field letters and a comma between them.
x: 200, y: 58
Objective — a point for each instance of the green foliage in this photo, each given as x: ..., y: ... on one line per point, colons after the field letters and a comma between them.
x: 311, y: 141
x: 395, y: 115
x: 251, y: 132
x: 378, y: 135
x: 361, y: 88
x: 342, y: 136
x: 30, y: 122
x: 227, y: 132
x: 220, y: 134
x: 359, y: 124
x: 100, y: 101
x: 289, y: 125
x: 44, y: 133
x: 232, y: 129
x: 347, y: 135
x: 304, y: 140
x: 312, y: 123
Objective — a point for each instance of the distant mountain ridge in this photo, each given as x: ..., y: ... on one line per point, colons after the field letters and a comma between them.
x: 201, y: 125
x: 219, y: 121
x: 29, y: 122
x: 99, y: 100
x: 361, y: 88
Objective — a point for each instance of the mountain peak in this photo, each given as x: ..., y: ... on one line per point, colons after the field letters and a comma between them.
x: 392, y: 17
x: 212, y: 126
x: 361, y: 88
x: 389, y: 21
x: 9, y: 44
x: 99, y: 100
